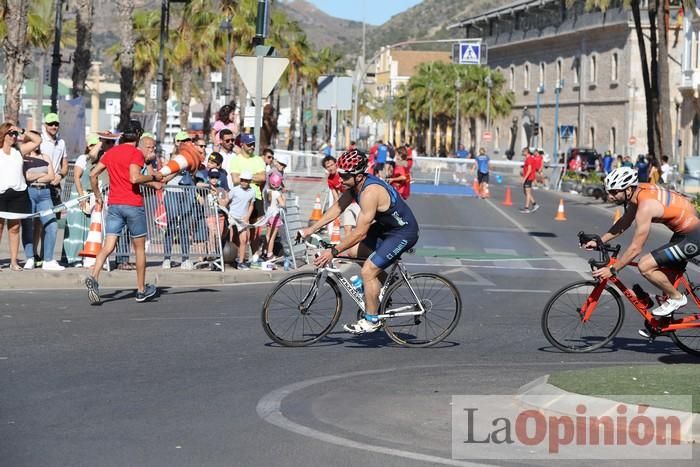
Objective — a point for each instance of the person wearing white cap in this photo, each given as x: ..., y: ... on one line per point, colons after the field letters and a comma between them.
x: 241, y: 208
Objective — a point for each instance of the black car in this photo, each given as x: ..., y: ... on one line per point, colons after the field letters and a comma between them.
x: 588, y: 157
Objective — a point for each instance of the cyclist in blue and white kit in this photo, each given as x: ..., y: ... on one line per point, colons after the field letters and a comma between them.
x: 386, y: 227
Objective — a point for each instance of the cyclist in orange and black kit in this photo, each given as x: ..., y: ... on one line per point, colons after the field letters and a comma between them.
x: 648, y: 203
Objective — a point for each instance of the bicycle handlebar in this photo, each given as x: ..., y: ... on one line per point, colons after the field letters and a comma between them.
x: 319, y: 241
x: 603, y: 248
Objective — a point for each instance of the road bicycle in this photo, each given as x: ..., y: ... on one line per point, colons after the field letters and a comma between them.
x: 585, y: 315
x: 416, y: 310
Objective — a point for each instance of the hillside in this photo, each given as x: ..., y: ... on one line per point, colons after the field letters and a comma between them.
x: 427, y: 20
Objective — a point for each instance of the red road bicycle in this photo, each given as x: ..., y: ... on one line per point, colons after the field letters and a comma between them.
x: 587, y: 314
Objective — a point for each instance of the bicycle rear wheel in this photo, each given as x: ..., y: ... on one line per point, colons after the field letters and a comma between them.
x: 687, y: 340
x: 562, y: 321
x: 442, y: 303
x: 286, y: 320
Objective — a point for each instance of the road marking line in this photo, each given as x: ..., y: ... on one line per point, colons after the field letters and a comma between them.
x: 517, y: 291
x: 484, y: 266
x: 508, y: 252
x: 269, y: 408
x: 524, y: 230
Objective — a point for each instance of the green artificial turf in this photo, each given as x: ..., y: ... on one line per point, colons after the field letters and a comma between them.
x: 643, y: 380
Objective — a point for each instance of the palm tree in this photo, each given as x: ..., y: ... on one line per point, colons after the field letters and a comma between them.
x: 81, y: 64
x: 17, y: 52
x: 125, y: 9
x: 319, y: 63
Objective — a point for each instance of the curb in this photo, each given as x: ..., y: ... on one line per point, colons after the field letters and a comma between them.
x: 73, y: 278
x: 539, y: 394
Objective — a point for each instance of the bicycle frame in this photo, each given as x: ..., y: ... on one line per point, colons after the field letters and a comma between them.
x: 659, y: 324
x: 358, y: 298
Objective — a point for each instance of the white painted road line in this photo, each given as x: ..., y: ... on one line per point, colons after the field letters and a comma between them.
x: 517, y: 291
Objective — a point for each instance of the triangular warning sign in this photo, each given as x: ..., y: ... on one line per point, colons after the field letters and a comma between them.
x: 470, y: 55
x: 247, y: 68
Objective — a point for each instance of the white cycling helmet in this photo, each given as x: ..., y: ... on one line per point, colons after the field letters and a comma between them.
x: 621, y: 178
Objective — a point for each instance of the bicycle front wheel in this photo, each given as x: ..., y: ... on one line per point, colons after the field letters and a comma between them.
x: 442, y: 304
x: 298, y: 313
x: 687, y: 340
x: 562, y: 320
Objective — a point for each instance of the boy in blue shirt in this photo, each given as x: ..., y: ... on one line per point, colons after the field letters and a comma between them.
x: 482, y: 173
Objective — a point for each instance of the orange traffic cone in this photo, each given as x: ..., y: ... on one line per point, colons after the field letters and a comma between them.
x: 317, y: 212
x: 335, y: 232
x: 618, y: 214
x: 93, y: 243
x: 561, y: 215
x: 509, y: 200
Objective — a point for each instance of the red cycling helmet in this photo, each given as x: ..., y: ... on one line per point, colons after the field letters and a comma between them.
x: 352, y: 162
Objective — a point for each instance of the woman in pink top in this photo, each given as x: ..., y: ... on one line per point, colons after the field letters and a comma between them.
x: 225, y: 118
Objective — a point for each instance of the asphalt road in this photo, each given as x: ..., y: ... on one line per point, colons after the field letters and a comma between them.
x: 191, y: 379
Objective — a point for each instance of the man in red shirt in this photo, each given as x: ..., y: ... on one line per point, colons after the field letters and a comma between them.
x: 123, y: 164
x: 530, y: 167
x: 400, y: 179
x: 335, y: 185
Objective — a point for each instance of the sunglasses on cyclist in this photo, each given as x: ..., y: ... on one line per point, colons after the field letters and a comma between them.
x: 346, y: 176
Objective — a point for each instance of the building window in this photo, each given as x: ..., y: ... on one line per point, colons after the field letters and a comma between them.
x: 614, y: 67
x: 542, y: 73
x: 526, y: 77
x: 594, y: 69
x: 497, y: 138
x: 591, y: 137
x: 613, y: 140
x: 559, y: 76
x: 512, y: 78
x: 577, y: 71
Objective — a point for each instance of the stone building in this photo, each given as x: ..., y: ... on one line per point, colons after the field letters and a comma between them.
x: 591, y: 58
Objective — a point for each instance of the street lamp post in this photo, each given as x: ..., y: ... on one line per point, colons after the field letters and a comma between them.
x: 227, y: 27
x: 408, y: 106
x: 489, y: 85
x: 164, y: 20
x: 540, y: 91
x: 56, y: 56
x: 458, y: 87
x: 430, y: 119
x: 555, y: 149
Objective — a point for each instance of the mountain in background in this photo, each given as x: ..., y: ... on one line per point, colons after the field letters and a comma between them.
x: 426, y: 20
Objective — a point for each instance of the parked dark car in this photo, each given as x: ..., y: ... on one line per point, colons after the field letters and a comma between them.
x: 588, y: 157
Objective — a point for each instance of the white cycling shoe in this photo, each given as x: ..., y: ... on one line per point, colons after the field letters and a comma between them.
x: 669, y: 306
x: 363, y: 326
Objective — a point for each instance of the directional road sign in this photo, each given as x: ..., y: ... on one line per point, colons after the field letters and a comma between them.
x: 247, y: 68
x: 334, y: 92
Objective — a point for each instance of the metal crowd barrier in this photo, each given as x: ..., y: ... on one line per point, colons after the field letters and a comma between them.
x: 183, y: 223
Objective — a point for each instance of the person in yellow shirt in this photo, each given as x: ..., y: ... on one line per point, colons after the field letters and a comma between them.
x: 248, y: 161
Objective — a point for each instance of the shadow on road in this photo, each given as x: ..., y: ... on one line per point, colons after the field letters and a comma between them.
x: 639, y: 345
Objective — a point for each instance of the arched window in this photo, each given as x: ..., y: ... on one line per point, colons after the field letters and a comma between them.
x: 591, y: 137
x: 576, y: 67
x: 526, y: 77
x: 542, y: 73
x: 594, y: 69
x: 512, y: 78
x: 614, y: 64
x: 559, y: 66
x: 613, y: 140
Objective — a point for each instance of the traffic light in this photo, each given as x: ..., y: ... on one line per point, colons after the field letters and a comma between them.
x: 536, y: 129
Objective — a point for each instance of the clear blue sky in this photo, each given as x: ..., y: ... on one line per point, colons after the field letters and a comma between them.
x: 375, y: 11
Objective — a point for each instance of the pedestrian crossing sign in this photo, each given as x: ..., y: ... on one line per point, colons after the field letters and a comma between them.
x: 469, y: 53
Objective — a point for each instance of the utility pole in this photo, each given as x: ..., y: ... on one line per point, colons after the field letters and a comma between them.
x: 227, y: 27
x: 555, y: 149
x: 261, y: 30
x: 430, y: 119
x: 161, y: 119
x: 540, y: 90
x: 56, y: 56
x: 458, y: 87
x: 408, y: 107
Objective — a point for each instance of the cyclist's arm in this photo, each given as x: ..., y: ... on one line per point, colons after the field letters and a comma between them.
x: 645, y: 213
x: 622, y: 224
x: 368, y: 209
x: 331, y: 214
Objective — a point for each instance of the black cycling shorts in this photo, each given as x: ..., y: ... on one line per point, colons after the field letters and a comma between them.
x: 527, y: 183
x: 482, y: 178
x: 388, y: 245
x: 678, y: 250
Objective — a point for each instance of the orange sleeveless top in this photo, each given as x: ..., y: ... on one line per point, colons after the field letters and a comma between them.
x: 679, y: 213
